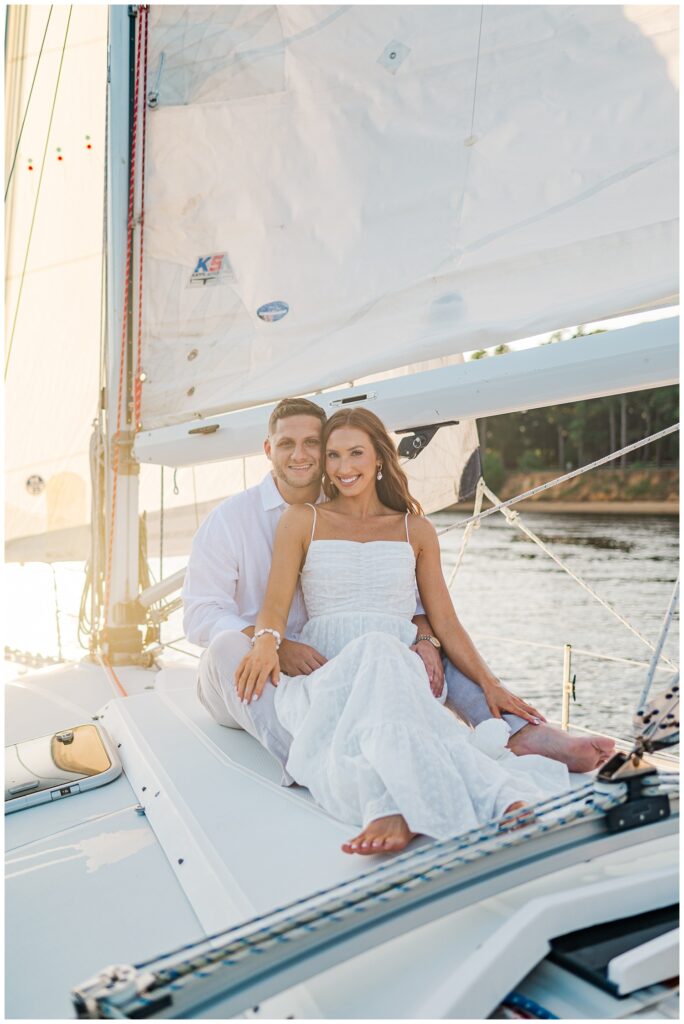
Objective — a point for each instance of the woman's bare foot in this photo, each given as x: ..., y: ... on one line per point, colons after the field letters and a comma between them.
x: 520, y: 820
x: 384, y: 835
x: 579, y: 753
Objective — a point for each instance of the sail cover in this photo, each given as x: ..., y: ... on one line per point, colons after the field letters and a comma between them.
x: 334, y: 191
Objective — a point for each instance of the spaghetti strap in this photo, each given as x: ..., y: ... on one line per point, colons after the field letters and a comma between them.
x: 313, y: 525
x: 408, y: 539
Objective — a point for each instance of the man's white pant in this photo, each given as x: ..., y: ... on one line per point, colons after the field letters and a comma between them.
x: 216, y: 691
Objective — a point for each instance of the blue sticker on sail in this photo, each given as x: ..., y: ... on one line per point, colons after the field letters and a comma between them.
x: 272, y: 311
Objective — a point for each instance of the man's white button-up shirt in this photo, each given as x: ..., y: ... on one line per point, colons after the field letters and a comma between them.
x: 226, y: 578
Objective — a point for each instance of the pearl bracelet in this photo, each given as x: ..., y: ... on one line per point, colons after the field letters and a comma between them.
x: 262, y: 632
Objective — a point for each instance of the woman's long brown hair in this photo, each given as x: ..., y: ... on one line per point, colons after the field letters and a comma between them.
x: 393, y: 490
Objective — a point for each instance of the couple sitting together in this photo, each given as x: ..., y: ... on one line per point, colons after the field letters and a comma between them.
x: 318, y: 645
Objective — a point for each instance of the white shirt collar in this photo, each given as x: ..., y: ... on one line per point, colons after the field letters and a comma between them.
x: 270, y: 495
x: 272, y: 498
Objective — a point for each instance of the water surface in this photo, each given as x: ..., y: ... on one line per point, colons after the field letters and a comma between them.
x: 506, y: 590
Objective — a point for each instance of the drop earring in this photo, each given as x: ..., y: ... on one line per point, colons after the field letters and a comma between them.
x: 379, y: 475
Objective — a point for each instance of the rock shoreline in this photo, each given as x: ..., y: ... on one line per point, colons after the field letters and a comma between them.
x: 626, y: 508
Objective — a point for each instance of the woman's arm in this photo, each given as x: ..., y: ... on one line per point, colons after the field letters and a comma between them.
x: 289, y: 552
x: 457, y: 645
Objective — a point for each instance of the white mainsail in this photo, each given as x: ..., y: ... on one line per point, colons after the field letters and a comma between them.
x: 387, y: 172
x: 336, y: 191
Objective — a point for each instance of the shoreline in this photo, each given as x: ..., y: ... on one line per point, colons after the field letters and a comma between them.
x: 619, y: 508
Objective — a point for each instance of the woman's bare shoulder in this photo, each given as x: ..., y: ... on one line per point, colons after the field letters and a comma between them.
x: 421, y: 529
x: 296, y: 516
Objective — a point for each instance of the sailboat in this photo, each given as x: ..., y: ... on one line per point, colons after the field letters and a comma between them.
x: 337, y: 202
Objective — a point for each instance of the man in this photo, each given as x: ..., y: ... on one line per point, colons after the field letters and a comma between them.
x: 226, y: 582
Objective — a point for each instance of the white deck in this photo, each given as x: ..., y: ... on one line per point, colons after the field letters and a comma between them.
x: 93, y: 882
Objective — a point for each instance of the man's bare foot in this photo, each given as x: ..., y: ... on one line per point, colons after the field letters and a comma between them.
x: 579, y: 753
x: 384, y: 835
x: 525, y: 817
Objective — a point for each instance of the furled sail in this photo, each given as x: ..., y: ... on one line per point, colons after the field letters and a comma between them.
x: 337, y: 191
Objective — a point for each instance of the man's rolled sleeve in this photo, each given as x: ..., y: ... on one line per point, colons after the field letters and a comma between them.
x: 209, y: 591
x: 228, y: 622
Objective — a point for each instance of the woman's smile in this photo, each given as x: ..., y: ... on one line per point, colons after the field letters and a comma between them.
x: 350, y: 460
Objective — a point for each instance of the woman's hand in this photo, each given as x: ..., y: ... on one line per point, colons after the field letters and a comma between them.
x: 432, y: 661
x: 256, y: 668
x: 502, y: 701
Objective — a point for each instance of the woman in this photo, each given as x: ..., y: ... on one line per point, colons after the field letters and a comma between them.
x: 369, y: 739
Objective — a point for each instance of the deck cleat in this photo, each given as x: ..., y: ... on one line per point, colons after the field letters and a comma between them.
x: 641, y: 805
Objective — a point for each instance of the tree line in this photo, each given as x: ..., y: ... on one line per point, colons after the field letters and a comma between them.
x: 570, y: 435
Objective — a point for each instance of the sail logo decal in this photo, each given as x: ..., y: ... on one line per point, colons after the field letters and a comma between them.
x: 35, y: 484
x: 210, y: 269
x: 272, y: 311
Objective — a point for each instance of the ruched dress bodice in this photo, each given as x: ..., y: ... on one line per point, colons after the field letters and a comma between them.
x: 351, y: 588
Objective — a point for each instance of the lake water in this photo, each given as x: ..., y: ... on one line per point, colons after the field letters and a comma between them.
x: 507, y: 592
x: 507, y: 589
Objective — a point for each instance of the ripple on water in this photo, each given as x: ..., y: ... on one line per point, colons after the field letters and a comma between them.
x: 504, y: 591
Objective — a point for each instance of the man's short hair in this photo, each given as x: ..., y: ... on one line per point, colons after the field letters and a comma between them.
x: 294, y: 407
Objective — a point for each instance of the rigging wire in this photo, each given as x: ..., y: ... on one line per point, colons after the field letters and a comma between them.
x: 28, y: 103
x: 658, y: 649
x: 513, y: 519
x: 57, y: 613
x: 575, y: 651
x: 559, y: 479
x: 161, y: 525
x: 40, y: 182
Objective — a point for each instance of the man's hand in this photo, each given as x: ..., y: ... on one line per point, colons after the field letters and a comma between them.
x: 299, y: 659
x: 502, y: 701
x: 432, y: 660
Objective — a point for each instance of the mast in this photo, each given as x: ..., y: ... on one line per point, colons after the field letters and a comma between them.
x: 121, y: 638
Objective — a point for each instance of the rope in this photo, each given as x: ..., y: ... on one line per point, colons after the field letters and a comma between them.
x: 560, y: 479
x: 388, y: 883
x: 367, y: 876
x: 513, y: 519
x: 28, y: 103
x: 475, y: 525
x: 658, y: 649
x: 40, y: 184
x: 110, y: 673
x: 124, y: 325
x: 180, y: 650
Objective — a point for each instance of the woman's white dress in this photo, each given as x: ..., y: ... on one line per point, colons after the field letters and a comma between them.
x: 369, y: 738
